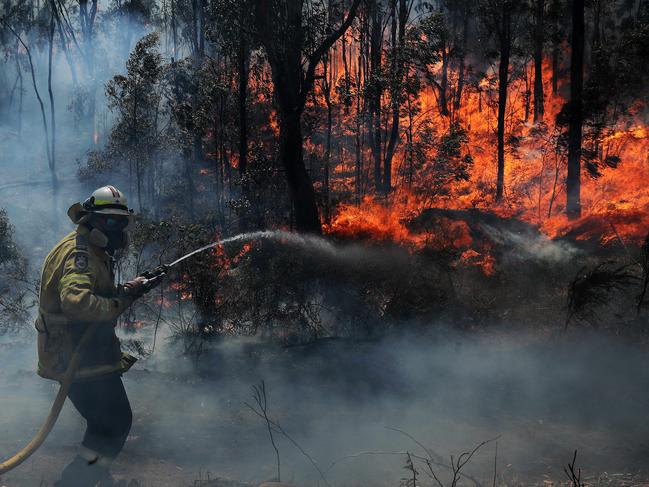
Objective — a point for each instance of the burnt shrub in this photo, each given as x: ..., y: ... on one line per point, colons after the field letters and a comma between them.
x: 312, y: 288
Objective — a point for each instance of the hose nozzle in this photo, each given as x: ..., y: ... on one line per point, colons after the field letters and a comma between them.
x: 153, y: 277
x: 159, y: 271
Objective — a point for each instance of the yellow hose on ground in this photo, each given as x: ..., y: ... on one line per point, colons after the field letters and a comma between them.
x: 38, y: 440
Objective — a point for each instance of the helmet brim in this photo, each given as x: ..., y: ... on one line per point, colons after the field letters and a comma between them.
x: 113, y: 211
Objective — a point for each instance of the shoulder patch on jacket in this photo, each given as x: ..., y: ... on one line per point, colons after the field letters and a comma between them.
x: 81, y: 261
x: 81, y: 242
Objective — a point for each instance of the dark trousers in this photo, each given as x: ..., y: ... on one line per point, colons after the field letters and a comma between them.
x: 104, y: 405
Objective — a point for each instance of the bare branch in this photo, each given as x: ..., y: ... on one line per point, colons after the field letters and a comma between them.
x: 274, y: 426
x: 325, y: 45
x: 38, y: 95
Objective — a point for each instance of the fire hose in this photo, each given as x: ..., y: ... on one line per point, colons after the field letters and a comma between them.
x: 152, y: 279
x: 38, y: 440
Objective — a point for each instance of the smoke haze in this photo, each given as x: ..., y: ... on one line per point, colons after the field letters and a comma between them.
x: 338, y: 400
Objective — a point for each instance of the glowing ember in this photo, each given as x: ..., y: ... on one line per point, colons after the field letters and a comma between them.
x: 485, y: 261
x: 223, y: 263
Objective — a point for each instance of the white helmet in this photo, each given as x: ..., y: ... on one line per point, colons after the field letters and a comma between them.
x: 107, y: 200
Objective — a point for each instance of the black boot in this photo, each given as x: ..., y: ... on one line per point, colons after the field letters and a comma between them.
x: 81, y: 473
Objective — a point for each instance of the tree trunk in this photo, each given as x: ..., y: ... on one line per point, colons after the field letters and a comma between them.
x: 596, y: 41
x: 398, y: 38
x: 503, y: 74
x: 555, y: 67
x: 411, y: 162
x: 359, y: 125
x: 555, y: 46
x: 134, y: 143
x: 573, y: 182
x: 538, y: 61
x: 299, y: 182
x: 376, y: 48
x: 64, y: 47
x: 52, y: 159
x: 243, y: 93
x: 528, y: 91
x: 174, y: 30
x: 87, y: 20
x: 36, y: 92
x: 443, y: 90
x: 327, y: 195
x: 556, y: 180
x: 347, y: 100
x: 199, y: 48
x: 460, y: 75
x: 327, y: 81
x: 244, y: 74
x: 19, y: 119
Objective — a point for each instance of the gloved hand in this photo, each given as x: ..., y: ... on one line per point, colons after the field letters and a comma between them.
x: 136, y: 288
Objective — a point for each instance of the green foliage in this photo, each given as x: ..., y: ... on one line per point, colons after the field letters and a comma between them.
x: 15, y: 289
x: 452, y: 161
x: 135, y: 97
x: 8, y: 251
x: 233, y: 17
x: 137, y: 140
x: 426, y: 42
x: 135, y: 10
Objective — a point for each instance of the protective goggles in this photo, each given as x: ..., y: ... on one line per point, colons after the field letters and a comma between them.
x: 115, y: 222
x: 109, y: 223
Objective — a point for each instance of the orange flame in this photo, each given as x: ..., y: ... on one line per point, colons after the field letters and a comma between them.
x: 614, y: 205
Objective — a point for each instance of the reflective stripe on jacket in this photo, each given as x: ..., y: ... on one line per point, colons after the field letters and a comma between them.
x: 77, y: 288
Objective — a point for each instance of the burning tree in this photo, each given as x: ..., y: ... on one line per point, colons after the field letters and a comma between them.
x: 573, y: 182
x: 502, y: 18
x: 287, y: 37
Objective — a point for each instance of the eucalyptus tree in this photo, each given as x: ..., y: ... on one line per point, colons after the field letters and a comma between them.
x: 295, y: 36
x: 501, y: 20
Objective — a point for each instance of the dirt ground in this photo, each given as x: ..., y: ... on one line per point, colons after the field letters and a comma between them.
x: 341, y: 402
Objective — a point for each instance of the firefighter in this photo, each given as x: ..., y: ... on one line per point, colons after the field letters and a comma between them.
x: 77, y: 289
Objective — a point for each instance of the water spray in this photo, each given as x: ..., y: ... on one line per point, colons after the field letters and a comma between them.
x: 154, y: 276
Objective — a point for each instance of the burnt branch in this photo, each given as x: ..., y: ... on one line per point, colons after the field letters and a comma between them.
x: 573, y: 474
x: 36, y: 92
x: 261, y: 398
x: 431, y: 460
x: 325, y: 45
x: 261, y: 410
x: 592, y: 289
x: 644, y: 263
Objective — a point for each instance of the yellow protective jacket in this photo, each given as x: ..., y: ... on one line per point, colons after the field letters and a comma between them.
x: 77, y: 289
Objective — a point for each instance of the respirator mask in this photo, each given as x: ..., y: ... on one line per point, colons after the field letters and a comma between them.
x: 109, y: 231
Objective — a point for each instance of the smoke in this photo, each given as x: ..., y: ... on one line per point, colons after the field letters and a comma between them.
x: 532, y: 246
x: 339, y: 400
x: 78, y: 81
